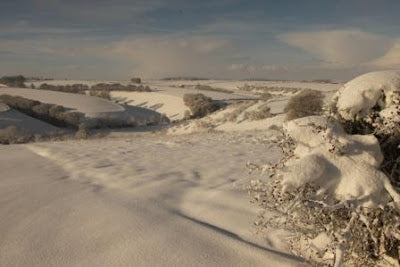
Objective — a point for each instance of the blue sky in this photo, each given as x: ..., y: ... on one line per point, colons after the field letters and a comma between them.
x: 99, y: 39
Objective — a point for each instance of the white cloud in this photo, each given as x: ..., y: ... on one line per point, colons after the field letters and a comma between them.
x: 390, y: 60
x: 156, y: 56
x: 340, y: 47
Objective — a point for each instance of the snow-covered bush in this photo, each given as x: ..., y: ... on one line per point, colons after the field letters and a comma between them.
x: 236, y: 109
x: 370, y: 104
x: 199, y: 105
x: 262, y: 112
x: 328, y: 189
x: 100, y: 93
x: 306, y: 103
x: 335, y: 185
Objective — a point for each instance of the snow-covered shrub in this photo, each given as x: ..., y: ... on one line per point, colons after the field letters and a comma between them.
x: 265, y: 96
x: 370, y: 104
x: 306, y: 103
x: 13, y: 135
x: 262, y: 112
x: 236, y: 110
x: 328, y: 189
x: 100, y: 93
x: 199, y: 105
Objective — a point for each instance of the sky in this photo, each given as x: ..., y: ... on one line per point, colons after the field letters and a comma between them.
x: 226, y: 39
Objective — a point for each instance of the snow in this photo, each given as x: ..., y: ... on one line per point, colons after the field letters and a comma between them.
x: 346, y: 167
x: 357, y: 97
x: 234, y: 85
x: 144, y: 200
x: 93, y: 107
x: 168, y: 199
x: 170, y: 105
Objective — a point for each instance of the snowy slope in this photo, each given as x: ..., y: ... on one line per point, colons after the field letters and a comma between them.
x: 139, y: 201
x: 93, y: 107
x: 170, y: 105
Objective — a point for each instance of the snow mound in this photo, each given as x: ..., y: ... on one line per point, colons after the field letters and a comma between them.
x: 357, y: 97
x: 344, y: 167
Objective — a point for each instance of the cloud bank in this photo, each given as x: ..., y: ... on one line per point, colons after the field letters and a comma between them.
x: 340, y: 47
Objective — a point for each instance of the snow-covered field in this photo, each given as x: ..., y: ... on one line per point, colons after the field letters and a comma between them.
x: 92, y: 107
x: 179, y: 197
x: 170, y: 105
x: 147, y: 200
x: 167, y: 96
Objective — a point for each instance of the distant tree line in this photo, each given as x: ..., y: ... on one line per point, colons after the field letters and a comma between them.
x: 184, y: 79
x: 120, y: 87
x: 19, y: 81
x: 74, y: 88
x: 82, y: 88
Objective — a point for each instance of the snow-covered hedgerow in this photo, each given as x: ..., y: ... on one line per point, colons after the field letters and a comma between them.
x: 328, y: 188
